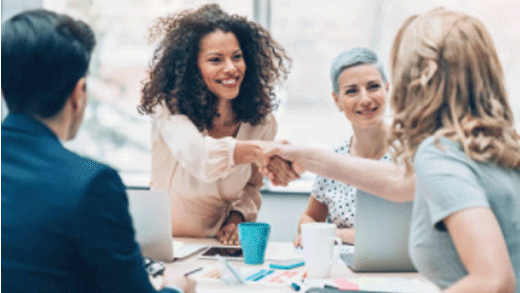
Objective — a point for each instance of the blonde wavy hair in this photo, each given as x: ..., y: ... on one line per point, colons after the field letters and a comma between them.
x: 448, y: 81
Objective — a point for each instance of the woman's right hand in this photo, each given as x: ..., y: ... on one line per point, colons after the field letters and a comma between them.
x: 298, y: 240
x: 347, y: 235
x: 281, y: 171
x: 315, y: 212
x: 186, y: 284
x: 284, y: 150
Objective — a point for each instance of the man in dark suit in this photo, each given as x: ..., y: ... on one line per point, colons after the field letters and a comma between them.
x: 65, y: 220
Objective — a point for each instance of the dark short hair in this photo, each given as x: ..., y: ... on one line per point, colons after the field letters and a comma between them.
x: 174, y: 79
x: 44, y: 54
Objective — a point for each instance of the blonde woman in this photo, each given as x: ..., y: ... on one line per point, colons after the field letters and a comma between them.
x: 454, y: 127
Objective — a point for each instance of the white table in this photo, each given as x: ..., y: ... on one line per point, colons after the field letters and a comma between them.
x: 394, y: 282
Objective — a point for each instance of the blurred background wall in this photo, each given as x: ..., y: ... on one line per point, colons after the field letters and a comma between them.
x: 312, y: 32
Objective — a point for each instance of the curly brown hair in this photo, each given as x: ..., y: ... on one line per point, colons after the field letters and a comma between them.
x: 174, y: 79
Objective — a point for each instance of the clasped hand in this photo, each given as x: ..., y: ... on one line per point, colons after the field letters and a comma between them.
x: 276, y: 161
x: 279, y: 163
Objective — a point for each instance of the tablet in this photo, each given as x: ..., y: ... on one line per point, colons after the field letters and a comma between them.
x: 227, y: 252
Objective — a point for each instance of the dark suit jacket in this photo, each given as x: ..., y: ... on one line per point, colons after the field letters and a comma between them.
x: 65, y: 220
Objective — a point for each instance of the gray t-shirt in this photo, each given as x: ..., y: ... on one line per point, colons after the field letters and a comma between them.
x: 449, y: 181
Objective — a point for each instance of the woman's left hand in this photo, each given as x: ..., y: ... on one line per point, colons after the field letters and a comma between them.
x: 347, y: 235
x: 228, y: 234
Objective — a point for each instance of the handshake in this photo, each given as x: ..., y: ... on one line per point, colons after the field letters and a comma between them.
x: 279, y: 161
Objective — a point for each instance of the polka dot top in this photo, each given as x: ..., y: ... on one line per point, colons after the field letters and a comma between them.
x: 339, y: 197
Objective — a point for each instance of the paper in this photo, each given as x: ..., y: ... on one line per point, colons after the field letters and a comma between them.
x: 344, y: 284
x: 277, y: 280
x: 400, y: 284
x: 277, y: 251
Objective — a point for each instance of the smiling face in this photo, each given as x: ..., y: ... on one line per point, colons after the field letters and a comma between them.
x: 361, y: 95
x: 221, y: 64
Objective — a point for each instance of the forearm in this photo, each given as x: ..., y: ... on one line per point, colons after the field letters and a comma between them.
x: 249, y: 203
x: 316, y: 211
x: 347, y: 235
x: 482, y: 249
x: 235, y: 217
x: 475, y: 284
x: 305, y: 219
x: 247, y: 152
x: 383, y: 179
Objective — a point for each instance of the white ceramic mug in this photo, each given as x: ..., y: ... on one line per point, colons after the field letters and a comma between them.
x: 321, y: 248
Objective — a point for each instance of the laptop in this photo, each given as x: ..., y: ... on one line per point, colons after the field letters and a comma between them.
x: 150, y: 212
x: 382, y: 233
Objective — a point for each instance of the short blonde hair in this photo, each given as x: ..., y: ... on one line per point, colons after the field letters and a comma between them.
x: 448, y: 81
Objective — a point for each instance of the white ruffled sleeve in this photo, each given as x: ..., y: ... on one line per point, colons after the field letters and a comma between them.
x: 204, y: 157
x: 250, y: 201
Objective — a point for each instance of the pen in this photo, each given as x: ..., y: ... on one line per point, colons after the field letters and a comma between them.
x: 253, y: 276
x: 234, y: 272
x: 263, y: 275
x: 192, y: 271
x: 294, y: 286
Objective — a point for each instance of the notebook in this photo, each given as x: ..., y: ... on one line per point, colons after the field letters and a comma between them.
x: 150, y: 212
x: 382, y: 233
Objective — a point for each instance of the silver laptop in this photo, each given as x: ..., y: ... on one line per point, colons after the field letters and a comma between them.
x: 382, y: 233
x: 150, y: 211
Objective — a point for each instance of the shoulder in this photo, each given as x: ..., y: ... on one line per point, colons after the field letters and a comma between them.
x: 100, y: 188
x: 427, y: 145
x: 441, y: 161
x: 343, y: 147
x: 79, y: 162
x: 271, y: 124
x: 269, y: 121
x: 172, y: 125
x: 162, y: 115
x: 440, y: 148
x: 84, y: 171
x: 442, y: 143
x: 265, y: 130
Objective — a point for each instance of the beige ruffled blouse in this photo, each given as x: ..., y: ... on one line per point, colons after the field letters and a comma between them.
x: 199, y: 173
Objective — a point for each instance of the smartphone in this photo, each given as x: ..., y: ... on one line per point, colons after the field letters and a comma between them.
x: 227, y: 252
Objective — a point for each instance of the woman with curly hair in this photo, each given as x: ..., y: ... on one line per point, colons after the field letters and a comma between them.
x: 454, y: 127
x: 210, y: 91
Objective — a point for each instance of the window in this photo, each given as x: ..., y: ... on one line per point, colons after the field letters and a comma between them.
x: 312, y: 32
x: 113, y: 131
